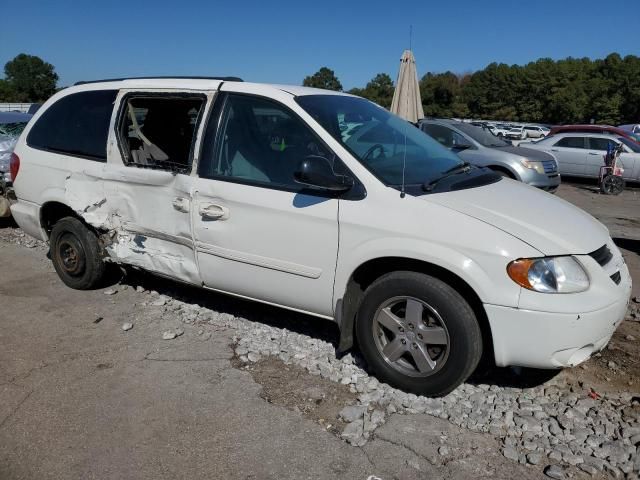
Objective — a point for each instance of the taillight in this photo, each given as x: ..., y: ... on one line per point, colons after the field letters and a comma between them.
x: 14, y: 166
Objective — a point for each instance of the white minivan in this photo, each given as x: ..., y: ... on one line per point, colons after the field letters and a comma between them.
x: 256, y: 191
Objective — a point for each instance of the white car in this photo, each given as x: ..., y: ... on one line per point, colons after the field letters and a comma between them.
x: 516, y: 133
x: 251, y: 190
x: 498, y: 130
x: 582, y: 154
x: 534, y: 131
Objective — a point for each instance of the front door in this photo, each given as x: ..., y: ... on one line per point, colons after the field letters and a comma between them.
x: 571, y: 154
x: 259, y: 234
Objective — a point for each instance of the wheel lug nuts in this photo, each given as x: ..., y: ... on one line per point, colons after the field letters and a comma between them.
x: 403, y: 341
x: 411, y: 326
x: 415, y: 345
x: 420, y: 336
x: 401, y: 329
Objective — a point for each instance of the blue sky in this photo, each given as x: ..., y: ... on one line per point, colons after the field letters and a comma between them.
x: 283, y: 41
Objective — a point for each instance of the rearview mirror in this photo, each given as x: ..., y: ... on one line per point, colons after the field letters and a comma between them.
x: 316, y: 172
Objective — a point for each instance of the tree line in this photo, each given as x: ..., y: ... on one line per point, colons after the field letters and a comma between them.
x: 573, y: 90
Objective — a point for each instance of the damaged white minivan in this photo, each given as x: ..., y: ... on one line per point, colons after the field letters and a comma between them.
x: 324, y: 203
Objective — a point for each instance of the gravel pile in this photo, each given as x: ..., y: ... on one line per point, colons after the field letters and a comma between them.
x: 553, y: 423
x: 18, y: 237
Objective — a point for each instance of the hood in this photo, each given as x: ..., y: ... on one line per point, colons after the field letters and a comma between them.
x: 547, y: 223
x: 528, y: 153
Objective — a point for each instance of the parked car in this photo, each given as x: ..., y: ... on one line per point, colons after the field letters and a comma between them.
x: 633, y: 128
x: 499, y: 130
x: 582, y: 154
x: 606, y: 129
x: 534, y: 131
x: 516, y: 133
x: 11, y: 126
x: 250, y: 189
x: 479, y: 147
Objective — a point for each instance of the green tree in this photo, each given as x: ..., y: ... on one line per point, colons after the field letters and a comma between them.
x: 6, y: 92
x: 323, y: 78
x: 379, y: 90
x: 31, y: 78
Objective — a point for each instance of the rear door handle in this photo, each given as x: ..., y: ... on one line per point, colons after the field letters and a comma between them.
x: 181, y: 204
x: 592, y: 153
x: 212, y: 211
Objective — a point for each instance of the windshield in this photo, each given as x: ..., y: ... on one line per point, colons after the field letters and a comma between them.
x: 481, y: 135
x: 388, y: 146
x: 633, y: 146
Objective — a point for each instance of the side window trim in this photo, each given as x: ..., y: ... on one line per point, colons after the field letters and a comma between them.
x: 122, y: 114
x: 212, y: 137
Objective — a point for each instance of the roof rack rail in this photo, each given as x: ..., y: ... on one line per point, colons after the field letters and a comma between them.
x: 224, y: 79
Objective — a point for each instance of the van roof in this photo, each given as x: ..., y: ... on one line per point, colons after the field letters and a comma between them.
x: 224, y: 79
x: 194, y: 83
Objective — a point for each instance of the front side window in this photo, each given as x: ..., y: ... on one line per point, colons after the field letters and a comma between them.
x: 602, y: 144
x: 158, y: 131
x: 390, y: 147
x: 77, y: 124
x: 261, y: 142
x: 570, y: 142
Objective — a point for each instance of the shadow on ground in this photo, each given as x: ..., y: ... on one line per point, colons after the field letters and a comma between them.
x: 630, y: 244
x: 256, y: 312
x: 314, y: 327
x: 8, y: 223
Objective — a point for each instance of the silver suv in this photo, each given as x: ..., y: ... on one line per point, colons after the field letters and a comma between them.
x: 480, y: 147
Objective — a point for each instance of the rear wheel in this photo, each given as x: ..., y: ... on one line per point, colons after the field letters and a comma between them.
x: 418, y: 334
x: 76, y: 254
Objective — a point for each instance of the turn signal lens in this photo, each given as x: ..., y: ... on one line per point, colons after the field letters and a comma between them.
x: 518, y: 270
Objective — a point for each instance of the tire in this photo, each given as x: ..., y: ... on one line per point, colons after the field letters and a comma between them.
x: 612, y: 185
x: 76, y: 254
x: 502, y: 173
x: 443, y: 316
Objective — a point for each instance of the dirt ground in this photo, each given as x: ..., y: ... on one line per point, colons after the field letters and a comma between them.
x: 621, y: 214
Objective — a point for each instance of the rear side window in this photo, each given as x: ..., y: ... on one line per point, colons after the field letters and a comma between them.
x: 77, y: 125
x: 571, y: 142
x: 158, y: 131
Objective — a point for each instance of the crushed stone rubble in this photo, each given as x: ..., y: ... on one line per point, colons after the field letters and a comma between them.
x: 554, y: 424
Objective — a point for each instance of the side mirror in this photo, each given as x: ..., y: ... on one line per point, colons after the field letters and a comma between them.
x: 460, y: 147
x: 316, y: 172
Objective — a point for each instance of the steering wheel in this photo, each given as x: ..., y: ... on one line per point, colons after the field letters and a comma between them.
x: 369, y: 152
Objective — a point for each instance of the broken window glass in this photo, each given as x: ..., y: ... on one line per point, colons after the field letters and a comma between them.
x: 158, y: 132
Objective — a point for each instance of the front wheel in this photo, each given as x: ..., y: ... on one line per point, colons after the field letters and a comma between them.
x: 418, y: 334
x: 76, y: 254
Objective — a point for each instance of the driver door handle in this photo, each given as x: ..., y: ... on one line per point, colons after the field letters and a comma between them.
x: 593, y: 153
x: 181, y: 204
x: 212, y: 211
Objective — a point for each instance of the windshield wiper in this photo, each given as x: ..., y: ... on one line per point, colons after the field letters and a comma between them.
x: 456, y: 170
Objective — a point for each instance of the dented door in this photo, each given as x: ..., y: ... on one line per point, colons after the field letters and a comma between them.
x: 148, y: 200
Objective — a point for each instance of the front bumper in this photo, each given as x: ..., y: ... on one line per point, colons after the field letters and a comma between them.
x: 554, y: 339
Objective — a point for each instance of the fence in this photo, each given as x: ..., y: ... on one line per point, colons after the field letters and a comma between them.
x: 14, y: 107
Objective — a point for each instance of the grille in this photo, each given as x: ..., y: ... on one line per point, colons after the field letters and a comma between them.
x: 616, y: 278
x: 549, y: 166
x: 602, y: 255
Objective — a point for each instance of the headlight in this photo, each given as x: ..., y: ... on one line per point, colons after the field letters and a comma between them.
x: 537, y: 166
x: 549, y: 275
